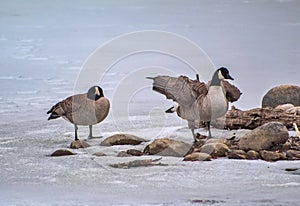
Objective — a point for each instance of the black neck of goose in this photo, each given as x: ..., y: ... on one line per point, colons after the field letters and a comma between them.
x: 215, y: 79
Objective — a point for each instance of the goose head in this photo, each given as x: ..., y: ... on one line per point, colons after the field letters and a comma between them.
x: 223, y: 73
x: 95, y: 93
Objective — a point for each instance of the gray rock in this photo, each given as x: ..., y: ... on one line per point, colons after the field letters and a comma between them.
x: 272, y: 156
x: 62, y: 152
x: 215, y: 149
x: 197, y: 156
x: 167, y: 147
x: 282, y: 94
x: 264, y: 137
x: 122, y: 139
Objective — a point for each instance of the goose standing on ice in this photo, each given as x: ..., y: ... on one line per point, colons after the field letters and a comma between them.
x: 196, y: 100
x: 82, y: 109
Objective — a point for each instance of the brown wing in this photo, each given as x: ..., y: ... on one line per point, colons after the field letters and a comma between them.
x: 182, y: 90
x: 232, y: 92
x: 66, y: 107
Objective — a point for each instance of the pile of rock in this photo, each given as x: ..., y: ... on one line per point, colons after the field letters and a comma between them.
x: 270, y: 142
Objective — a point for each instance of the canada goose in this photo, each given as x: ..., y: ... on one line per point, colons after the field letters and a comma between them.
x: 82, y: 109
x: 196, y: 100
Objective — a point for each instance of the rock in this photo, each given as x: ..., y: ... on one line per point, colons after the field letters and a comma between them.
x: 293, y: 154
x: 122, y: 139
x: 79, y: 144
x: 215, y: 140
x: 272, y: 156
x: 215, y: 149
x: 123, y: 154
x: 252, y: 155
x: 197, y: 156
x: 99, y: 154
x: 129, y: 153
x: 236, y: 154
x: 134, y: 152
x: 62, y: 152
x: 167, y: 147
x: 294, y: 111
x: 264, y: 137
x: 282, y: 94
x: 196, y: 147
x: 286, y: 146
x: 284, y: 107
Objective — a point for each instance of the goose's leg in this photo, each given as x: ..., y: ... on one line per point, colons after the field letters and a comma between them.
x: 76, y: 128
x: 209, y: 132
x: 192, y: 126
x: 91, y: 131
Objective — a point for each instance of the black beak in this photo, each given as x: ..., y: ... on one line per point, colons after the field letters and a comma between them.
x: 229, y: 77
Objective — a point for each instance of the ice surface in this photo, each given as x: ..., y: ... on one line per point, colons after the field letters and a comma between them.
x: 43, y: 46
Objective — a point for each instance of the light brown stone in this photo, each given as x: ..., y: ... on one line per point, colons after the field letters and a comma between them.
x: 77, y: 144
x: 272, y: 156
x: 215, y: 149
x: 62, y: 152
x: 122, y: 139
x: 197, y: 156
x: 167, y: 147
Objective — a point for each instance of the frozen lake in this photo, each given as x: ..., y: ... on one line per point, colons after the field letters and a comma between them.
x: 46, y: 47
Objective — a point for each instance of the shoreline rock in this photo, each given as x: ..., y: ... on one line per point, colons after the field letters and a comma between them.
x: 264, y: 137
x: 167, y: 147
x: 122, y: 139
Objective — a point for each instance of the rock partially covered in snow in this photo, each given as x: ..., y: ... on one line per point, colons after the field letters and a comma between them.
x: 264, y: 137
x: 99, y: 154
x: 167, y: 147
x: 282, y: 94
x: 122, y: 139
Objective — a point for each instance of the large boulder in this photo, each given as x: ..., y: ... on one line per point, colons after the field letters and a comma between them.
x: 122, y: 139
x: 167, y: 147
x: 264, y: 137
x: 215, y: 149
x: 282, y: 94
